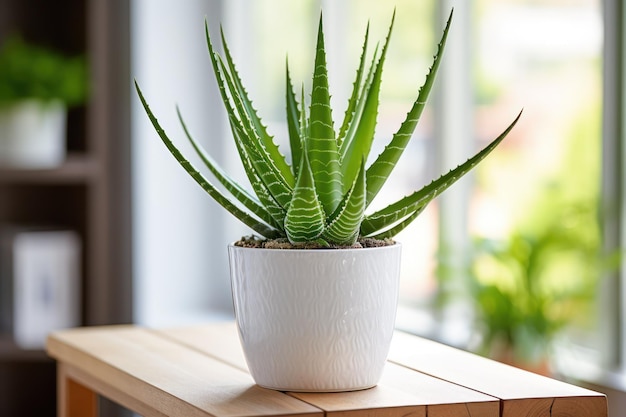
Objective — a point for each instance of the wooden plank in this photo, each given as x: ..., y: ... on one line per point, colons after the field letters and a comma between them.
x: 218, y: 340
x: 522, y: 393
x: 132, y: 363
x: 199, y: 372
x: 401, y: 392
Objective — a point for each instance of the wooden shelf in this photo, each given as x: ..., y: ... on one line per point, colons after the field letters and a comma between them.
x: 201, y: 371
x: 77, y: 169
x: 88, y: 193
x: 10, y: 351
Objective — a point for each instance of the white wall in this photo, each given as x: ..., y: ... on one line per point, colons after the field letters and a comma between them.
x: 180, y: 263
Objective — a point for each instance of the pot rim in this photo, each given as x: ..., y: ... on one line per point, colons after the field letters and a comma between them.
x: 318, y: 250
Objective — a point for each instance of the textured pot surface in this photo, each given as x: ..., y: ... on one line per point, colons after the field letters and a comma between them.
x: 315, y: 320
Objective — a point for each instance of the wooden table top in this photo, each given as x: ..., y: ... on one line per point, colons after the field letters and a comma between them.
x: 201, y: 371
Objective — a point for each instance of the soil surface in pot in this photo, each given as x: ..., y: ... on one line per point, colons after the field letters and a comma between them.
x: 283, y: 243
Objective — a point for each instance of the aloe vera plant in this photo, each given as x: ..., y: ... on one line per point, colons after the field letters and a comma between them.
x: 323, y: 194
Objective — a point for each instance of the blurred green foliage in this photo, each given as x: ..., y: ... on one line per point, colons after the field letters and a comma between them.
x: 30, y: 71
x: 529, y: 286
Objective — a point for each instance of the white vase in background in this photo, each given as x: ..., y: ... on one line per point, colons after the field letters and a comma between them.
x: 32, y: 134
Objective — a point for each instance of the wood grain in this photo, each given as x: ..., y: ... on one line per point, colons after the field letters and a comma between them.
x: 201, y: 371
x: 218, y: 340
x: 160, y: 374
x: 522, y: 393
x: 401, y: 391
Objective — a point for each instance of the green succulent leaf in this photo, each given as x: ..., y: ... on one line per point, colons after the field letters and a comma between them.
x: 258, y: 185
x: 277, y: 211
x: 381, y: 220
x: 381, y: 168
x: 322, y: 196
x: 251, y: 147
x: 266, y: 140
x: 390, y: 233
x: 293, y: 123
x: 358, y: 147
x: 356, y: 88
x: 262, y: 162
x: 304, y: 120
x: 359, y: 107
x: 258, y: 226
x: 240, y: 193
x: 305, y: 220
x: 321, y: 146
x: 343, y: 227
x: 220, y: 77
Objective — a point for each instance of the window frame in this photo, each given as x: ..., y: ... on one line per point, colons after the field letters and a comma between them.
x: 452, y: 99
x: 613, y: 286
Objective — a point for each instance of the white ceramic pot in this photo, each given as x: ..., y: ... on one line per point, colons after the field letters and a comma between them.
x: 32, y: 134
x: 315, y: 320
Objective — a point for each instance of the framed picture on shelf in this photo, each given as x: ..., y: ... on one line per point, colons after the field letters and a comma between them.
x: 39, y: 282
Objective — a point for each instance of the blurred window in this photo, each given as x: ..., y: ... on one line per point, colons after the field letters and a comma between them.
x: 540, y: 187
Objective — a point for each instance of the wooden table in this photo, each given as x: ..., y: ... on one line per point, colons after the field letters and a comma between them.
x: 200, y: 371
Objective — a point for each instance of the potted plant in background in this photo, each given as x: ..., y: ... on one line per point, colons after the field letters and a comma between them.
x: 315, y: 293
x: 534, y: 284
x: 518, y: 313
x: 37, y: 85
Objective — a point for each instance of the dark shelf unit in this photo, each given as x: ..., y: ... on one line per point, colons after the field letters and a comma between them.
x: 78, y: 168
x: 88, y: 193
x: 10, y: 352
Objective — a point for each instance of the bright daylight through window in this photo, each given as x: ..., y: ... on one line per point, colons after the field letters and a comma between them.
x: 528, y: 261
